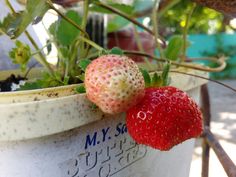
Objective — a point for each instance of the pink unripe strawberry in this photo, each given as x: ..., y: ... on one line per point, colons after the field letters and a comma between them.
x: 114, y: 83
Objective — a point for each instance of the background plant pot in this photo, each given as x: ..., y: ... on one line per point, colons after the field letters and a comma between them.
x: 65, y: 137
x: 125, y: 39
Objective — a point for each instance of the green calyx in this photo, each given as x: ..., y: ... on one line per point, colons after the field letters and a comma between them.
x: 114, y: 51
x: 157, y: 79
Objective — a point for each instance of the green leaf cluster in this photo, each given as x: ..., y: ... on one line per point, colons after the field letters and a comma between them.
x: 72, y: 51
x: 63, y: 32
x: 16, y: 23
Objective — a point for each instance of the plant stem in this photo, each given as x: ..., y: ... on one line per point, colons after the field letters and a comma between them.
x: 220, y: 62
x: 10, y: 6
x: 42, y: 60
x: 66, y: 18
x: 30, y: 68
x: 74, y: 55
x: 118, y: 12
x: 140, y: 46
x: 66, y: 69
x: 39, y: 51
x: 93, y: 44
x: 84, y: 48
x: 212, y: 80
x: 185, y: 32
x: 85, y: 14
x: 155, y: 27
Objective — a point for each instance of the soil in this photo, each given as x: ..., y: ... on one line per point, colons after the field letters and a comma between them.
x: 5, y: 85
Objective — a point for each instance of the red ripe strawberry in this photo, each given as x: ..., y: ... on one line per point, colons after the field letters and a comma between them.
x: 114, y: 83
x: 165, y: 117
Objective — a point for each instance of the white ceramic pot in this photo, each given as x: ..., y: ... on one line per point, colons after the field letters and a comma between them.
x: 64, y: 136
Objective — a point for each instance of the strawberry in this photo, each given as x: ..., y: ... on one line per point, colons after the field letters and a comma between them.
x: 165, y: 117
x: 114, y: 83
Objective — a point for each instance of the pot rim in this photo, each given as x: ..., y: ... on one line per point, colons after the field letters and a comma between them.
x: 35, y: 119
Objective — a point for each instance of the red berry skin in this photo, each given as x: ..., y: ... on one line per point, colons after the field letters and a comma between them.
x: 114, y: 83
x: 165, y: 117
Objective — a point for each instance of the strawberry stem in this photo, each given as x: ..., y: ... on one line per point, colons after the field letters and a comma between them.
x: 85, y: 14
x: 185, y: 31
x: 155, y: 27
x: 221, y: 62
x: 93, y: 44
x: 140, y: 46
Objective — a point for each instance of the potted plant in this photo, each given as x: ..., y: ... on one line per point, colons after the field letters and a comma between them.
x: 51, y: 130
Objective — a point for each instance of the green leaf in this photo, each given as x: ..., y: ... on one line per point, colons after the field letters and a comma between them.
x: 66, y: 33
x: 1, y: 31
x: 30, y: 86
x: 10, y: 24
x: 14, y: 25
x: 80, y: 89
x: 57, y: 76
x: 174, y: 47
x: 116, y: 23
x: 84, y: 63
x: 118, y: 6
x: 64, y: 51
x: 94, y: 107
x: 66, y: 80
x: 81, y: 76
x: 48, y: 80
x: 49, y: 46
x: 116, y: 51
x: 146, y: 76
x: 165, y: 75
x: 53, y: 28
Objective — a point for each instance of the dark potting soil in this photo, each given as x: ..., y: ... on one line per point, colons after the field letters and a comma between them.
x: 6, y: 85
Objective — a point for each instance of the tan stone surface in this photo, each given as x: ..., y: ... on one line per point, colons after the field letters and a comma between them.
x: 223, y: 109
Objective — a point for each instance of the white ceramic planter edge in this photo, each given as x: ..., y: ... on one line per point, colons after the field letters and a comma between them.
x: 32, y: 119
